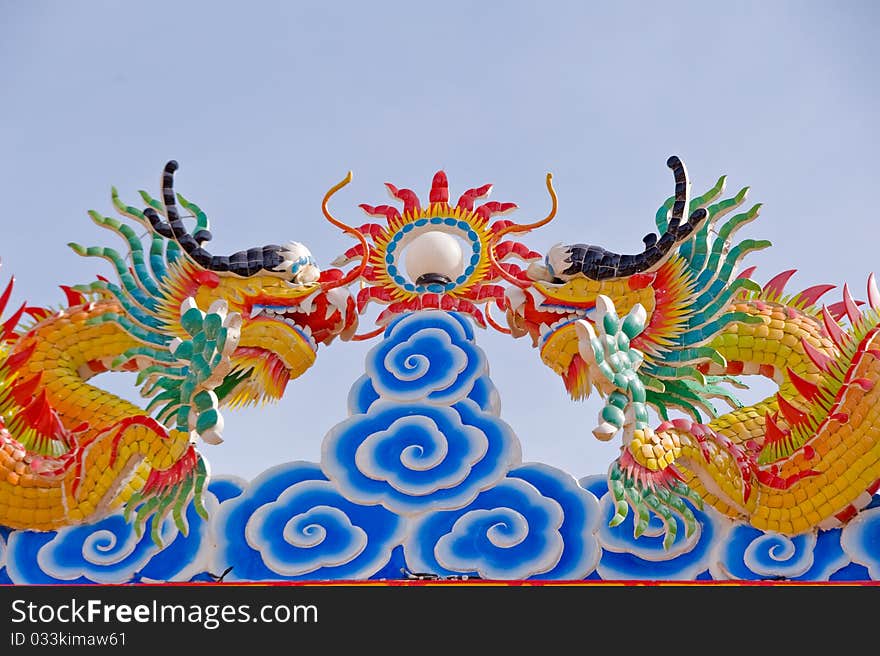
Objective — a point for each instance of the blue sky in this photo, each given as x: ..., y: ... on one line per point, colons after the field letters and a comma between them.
x: 267, y: 104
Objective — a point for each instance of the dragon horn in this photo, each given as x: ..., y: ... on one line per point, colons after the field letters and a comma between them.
x: 243, y: 263
x: 597, y: 263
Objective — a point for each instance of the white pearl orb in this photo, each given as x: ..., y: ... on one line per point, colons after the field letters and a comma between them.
x: 434, y: 252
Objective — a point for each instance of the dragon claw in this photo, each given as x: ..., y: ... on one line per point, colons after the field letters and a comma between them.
x: 647, y: 492
x: 202, y: 363
x: 604, y: 344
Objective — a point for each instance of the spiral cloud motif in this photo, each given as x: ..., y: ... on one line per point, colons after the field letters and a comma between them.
x: 292, y: 523
x: 536, y: 523
x: 423, y: 433
x: 508, y: 532
x: 580, y: 525
x: 109, y: 551
x: 417, y: 457
x: 429, y: 356
x: 750, y: 554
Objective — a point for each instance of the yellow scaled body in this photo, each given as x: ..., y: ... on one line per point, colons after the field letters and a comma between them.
x: 804, y: 458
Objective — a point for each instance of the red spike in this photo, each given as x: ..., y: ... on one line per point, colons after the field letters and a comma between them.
x: 505, y: 248
x: 746, y: 273
x: 411, y: 203
x: 439, y: 188
x: 388, y: 211
x: 468, y: 198
x: 37, y: 313
x: 12, y: 322
x: 812, y: 294
x: 819, y: 359
x: 40, y: 415
x: 793, y: 415
x: 14, y: 361
x: 102, y: 278
x: 512, y: 269
x: 810, y: 391
x: 851, y: 306
x: 356, y: 252
x: 500, y: 224
x: 373, y: 230
x: 834, y: 331
x: 73, y: 296
x: 839, y: 310
x: 4, y: 299
x: 776, y: 284
x: 488, y: 210
x: 774, y: 434
x: 25, y: 388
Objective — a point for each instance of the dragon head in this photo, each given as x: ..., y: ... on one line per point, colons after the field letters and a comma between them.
x: 682, y: 280
x: 287, y: 304
x: 284, y: 320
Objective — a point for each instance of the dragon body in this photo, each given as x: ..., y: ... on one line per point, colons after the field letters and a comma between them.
x: 676, y: 328
x: 71, y: 452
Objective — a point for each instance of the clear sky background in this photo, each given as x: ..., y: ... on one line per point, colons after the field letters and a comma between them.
x: 267, y: 104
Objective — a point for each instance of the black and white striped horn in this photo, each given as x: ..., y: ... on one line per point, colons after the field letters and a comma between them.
x: 243, y: 263
x: 597, y: 263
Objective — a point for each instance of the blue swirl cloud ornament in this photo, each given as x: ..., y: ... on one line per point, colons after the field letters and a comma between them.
x: 536, y: 523
x: 109, y: 551
x: 413, y: 458
x: 429, y: 356
x: 752, y: 554
x: 291, y: 523
x: 580, y: 524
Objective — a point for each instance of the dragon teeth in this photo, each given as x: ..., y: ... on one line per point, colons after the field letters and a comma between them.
x: 308, y: 301
x: 337, y: 299
x: 517, y: 299
x: 537, y: 296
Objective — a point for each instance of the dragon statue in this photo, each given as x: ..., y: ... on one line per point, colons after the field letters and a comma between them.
x: 203, y: 331
x: 672, y: 329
